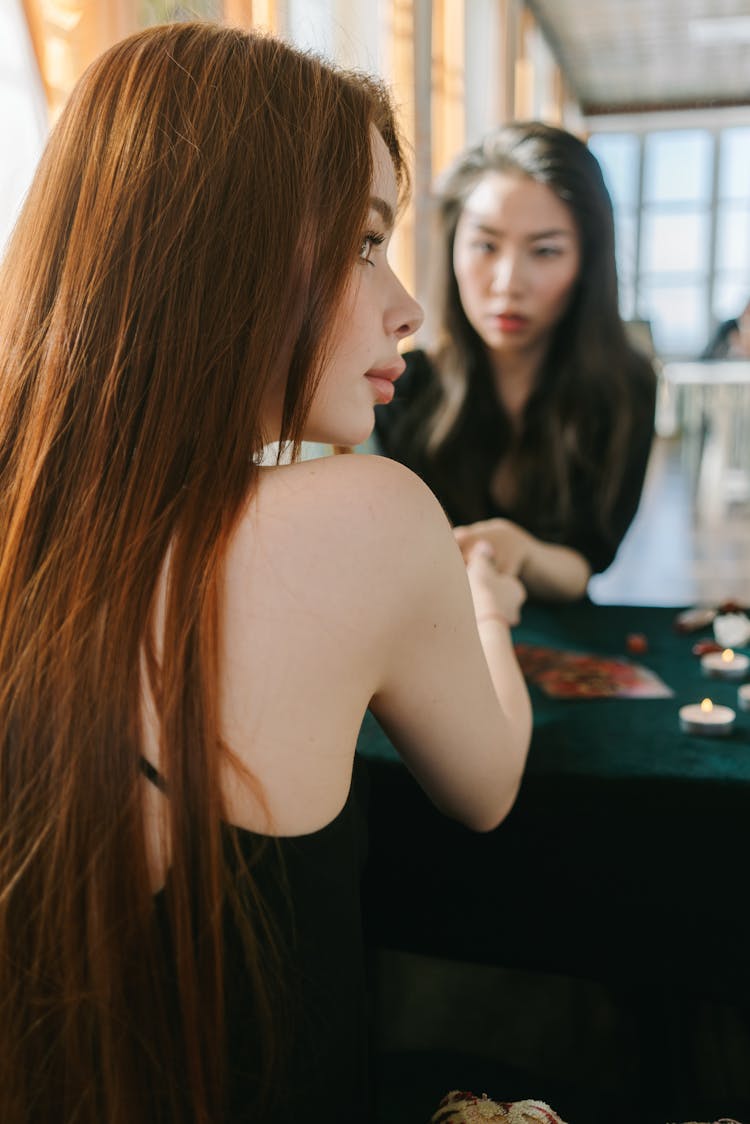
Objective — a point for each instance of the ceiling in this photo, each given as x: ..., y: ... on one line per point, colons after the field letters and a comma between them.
x: 623, y: 55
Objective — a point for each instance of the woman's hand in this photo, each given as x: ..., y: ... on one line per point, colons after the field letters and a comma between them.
x: 509, y: 543
x: 547, y: 570
x: 494, y: 593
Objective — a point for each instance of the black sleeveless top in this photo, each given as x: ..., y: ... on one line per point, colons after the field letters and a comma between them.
x: 311, y: 886
x: 466, y: 495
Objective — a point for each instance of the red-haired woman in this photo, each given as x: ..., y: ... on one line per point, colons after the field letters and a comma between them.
x: 189, y: 640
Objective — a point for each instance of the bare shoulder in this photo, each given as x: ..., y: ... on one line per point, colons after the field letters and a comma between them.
x: 347, y: 476
x: 358, y: 502
x: 359, y: 536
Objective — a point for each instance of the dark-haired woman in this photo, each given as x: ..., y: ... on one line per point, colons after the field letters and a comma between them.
x: 530, y: 416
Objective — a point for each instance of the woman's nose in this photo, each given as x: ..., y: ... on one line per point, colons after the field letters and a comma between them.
x: 406, y: 315
x: 506, y: 274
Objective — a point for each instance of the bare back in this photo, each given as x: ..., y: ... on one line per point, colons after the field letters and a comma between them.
x: 345, y: 588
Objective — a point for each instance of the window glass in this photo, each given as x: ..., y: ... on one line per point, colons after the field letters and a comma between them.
x: 675, y: 242
x: 677, y: 166
x: 731, y: 294
x: 678, y: 315
x: 626, y: 230
x: 626, y: 288
x: 23, y: 115
x: 618, y: 156
x: 734, y: 164
x: 733, y: 235
x: 172, y: 11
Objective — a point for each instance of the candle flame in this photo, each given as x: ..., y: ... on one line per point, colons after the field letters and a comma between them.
x: 707, y: 706
x: 727, y: 655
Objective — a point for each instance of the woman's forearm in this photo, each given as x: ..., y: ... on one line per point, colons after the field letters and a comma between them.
x: 554, y: 573
x: 508, y: 681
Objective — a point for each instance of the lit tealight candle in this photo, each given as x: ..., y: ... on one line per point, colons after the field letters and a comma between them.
x: 706, y: 719
x: 743, y: 696
x: 725, y: 665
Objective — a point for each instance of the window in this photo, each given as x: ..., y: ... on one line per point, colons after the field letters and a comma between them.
x: 160, y: 11
x: 682, y: 225
x: 23, y: 114
x: 732, y: 266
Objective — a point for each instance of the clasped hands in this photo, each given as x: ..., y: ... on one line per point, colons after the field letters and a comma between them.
x: 494, y: 552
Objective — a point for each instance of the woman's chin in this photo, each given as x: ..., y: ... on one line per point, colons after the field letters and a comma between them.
x: 343, y: 436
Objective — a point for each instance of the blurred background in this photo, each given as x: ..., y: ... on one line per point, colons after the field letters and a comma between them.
x: 661, y: 91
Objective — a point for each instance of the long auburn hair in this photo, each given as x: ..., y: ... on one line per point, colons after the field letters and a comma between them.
x: 181, y: 253
x: 581, y: 416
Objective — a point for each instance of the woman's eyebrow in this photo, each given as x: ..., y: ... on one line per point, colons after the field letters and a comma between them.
x: 485, y: 228
x: 384, y: 209
x: 553, y: 232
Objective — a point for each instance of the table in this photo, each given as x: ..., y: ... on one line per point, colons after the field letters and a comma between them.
x: 715, y: 396
x: 624, y: 858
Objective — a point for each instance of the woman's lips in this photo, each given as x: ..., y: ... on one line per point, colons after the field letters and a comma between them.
x: 383, y: 380
x: 510, y: 322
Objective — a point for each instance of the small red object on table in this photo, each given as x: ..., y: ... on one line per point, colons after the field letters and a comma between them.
x: 636, y: 643
x: 731, y: 606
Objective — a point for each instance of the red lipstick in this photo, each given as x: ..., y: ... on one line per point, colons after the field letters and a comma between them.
x: 510, y: 322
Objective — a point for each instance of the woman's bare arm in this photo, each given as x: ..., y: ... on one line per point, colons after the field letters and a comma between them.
x: 450, y: 693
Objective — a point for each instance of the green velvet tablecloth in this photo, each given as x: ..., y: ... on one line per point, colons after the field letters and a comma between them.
x: 625, y: 855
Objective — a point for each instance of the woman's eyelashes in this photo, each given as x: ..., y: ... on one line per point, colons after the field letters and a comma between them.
x: 370, y: 241
x: 547, y: 251
x: 484, y: 247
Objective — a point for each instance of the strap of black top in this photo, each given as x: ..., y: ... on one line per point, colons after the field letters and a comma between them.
x: 153, y: 775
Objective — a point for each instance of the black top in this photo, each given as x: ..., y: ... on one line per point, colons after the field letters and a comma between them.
x: 311, y: 886
x: 416, y: 393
